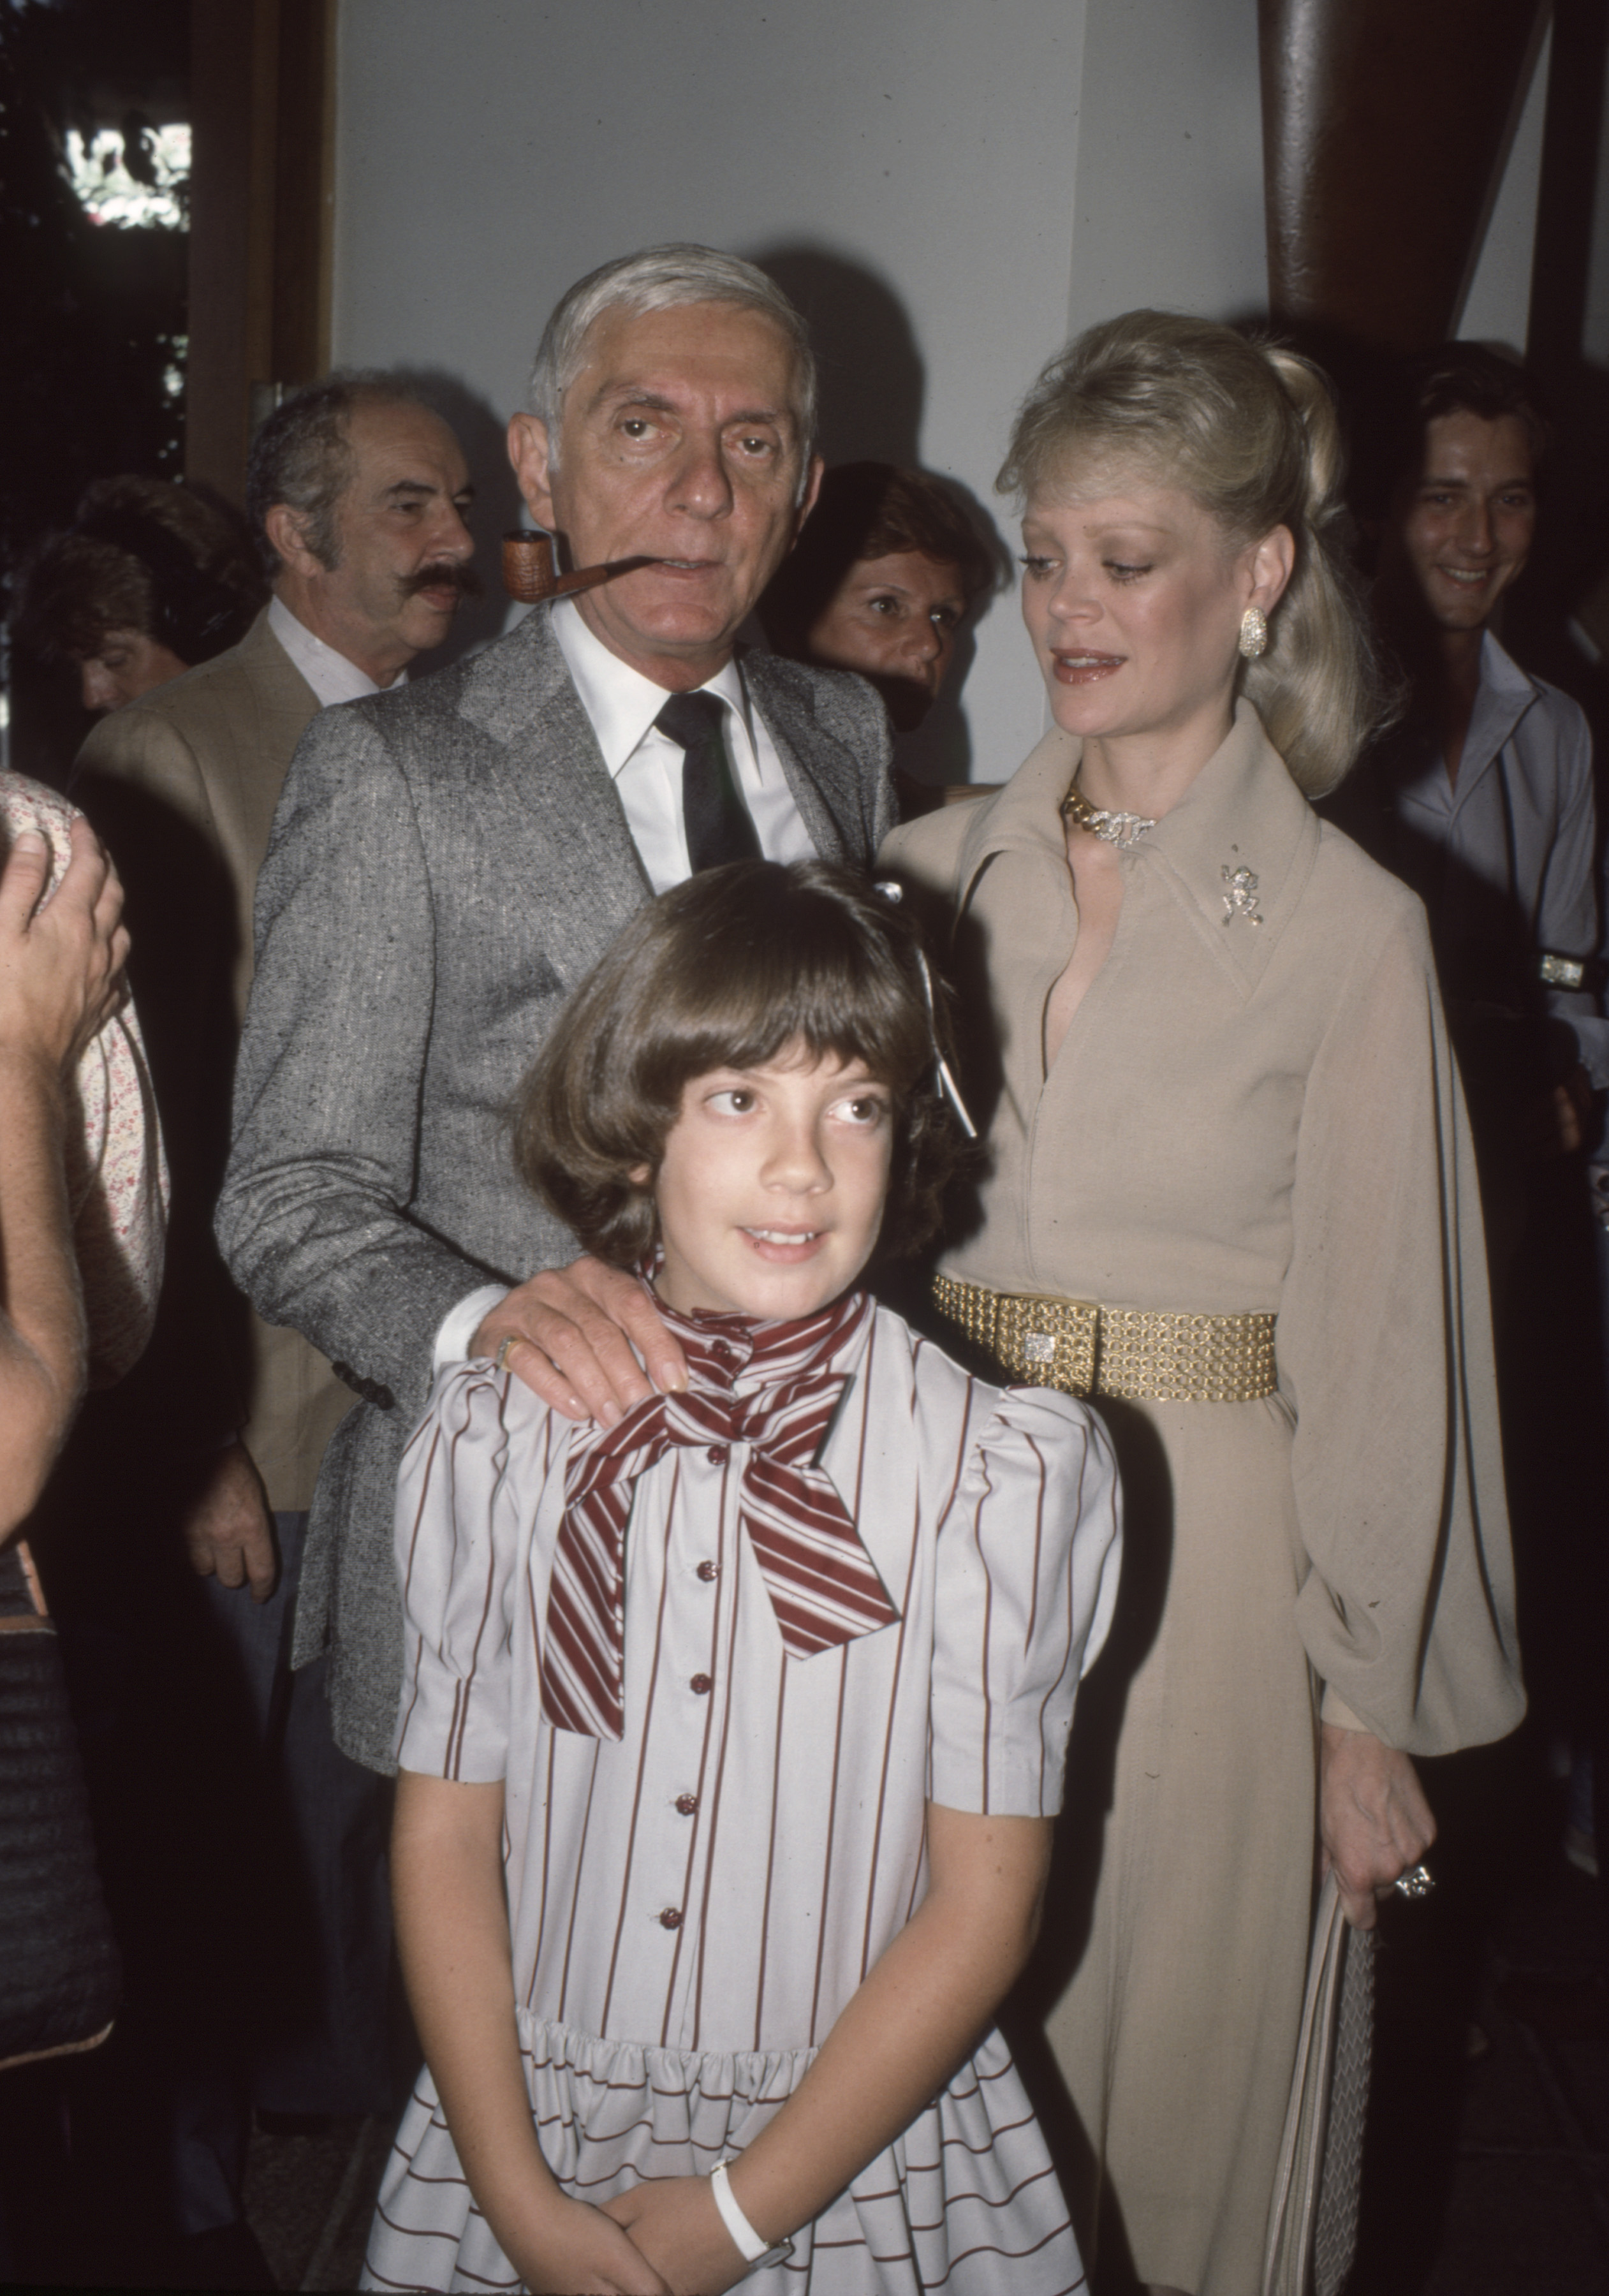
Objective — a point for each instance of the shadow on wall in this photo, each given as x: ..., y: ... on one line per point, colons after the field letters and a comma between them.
x: 940, y: 749
x: 481, y: 432
x: 874, y: 382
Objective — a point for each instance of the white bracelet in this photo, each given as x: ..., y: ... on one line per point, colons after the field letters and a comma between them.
x: 745, y: 2238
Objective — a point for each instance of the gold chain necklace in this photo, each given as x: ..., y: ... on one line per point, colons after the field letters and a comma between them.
x: 1121, y: 829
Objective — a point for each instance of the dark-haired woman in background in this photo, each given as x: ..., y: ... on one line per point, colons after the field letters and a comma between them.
x: 1231, y: 1193
x: 880, y: 582
x: 149, y: 580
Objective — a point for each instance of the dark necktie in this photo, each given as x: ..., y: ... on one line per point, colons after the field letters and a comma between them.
x: 713, y: 813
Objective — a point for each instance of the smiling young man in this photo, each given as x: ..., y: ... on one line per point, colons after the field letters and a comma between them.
x: 1483, y: 797
x: 446, y: 863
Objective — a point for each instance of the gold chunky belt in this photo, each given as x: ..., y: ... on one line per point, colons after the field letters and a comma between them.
x: 1139, y: 1352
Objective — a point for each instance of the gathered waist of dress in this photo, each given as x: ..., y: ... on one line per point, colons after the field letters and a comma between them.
x: 749, y: 2076
x: 1142, y: 1354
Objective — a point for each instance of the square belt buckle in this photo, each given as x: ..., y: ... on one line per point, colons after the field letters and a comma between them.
x: 1049, y: 1342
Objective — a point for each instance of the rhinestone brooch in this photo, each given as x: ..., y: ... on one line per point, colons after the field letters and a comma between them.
x: 1240, y: 899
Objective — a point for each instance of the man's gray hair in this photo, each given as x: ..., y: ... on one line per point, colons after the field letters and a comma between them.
x: 303, y: 457
x: 656, y: 280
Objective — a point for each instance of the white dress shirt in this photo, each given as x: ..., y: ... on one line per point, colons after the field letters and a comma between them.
x: 646, y: 765
x: 331, y: 676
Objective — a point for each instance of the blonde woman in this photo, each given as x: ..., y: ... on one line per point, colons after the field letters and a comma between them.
x: 1230, y: 1187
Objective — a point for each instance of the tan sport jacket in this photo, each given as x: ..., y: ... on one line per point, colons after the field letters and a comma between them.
x: 183, y: 785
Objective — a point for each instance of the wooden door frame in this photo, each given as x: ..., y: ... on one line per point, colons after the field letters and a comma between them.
x: 262, y: 208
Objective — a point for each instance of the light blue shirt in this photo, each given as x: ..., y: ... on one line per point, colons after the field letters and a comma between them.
x: 1503, y: 858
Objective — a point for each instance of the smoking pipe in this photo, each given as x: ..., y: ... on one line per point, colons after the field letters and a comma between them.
x: 527, y: 568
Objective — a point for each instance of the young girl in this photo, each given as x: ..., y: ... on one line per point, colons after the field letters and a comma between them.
x: 732, y: 1733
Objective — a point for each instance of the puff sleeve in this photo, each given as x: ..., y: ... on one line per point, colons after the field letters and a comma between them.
x: 1027, y: 1569
x: 466, y: 1498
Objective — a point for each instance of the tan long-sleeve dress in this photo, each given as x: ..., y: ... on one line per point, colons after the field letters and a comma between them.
x: 1254, y: 1109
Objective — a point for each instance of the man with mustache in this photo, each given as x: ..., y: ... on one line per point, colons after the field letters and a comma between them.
x: 357, y: 495
x: 445, y: 866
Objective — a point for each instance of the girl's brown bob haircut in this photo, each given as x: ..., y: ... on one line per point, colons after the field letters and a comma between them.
x: 729, y: 970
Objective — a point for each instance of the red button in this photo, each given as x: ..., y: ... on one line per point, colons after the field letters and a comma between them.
x: 671, y: 1918
x: 717, y: 1455
x: 701, y: 1686
x: 686, y: 1804
x: 709, y: 1572
x: 724, y: 1352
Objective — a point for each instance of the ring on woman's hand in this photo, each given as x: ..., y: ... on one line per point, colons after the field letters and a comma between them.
x: 1418, y: 1882
x: 500, y: 1360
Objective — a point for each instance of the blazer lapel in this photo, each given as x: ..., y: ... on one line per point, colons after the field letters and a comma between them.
x: 550, y: 772
x: 281, y: 686
x: 282, y: 706
x: 538, y: 768
x: 820, y: 773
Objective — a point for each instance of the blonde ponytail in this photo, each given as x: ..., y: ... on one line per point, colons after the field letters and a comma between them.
x: 1251, y: 432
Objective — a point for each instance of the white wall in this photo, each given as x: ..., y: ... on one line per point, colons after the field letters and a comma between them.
x: 911, y: 165
x: 1497, y: 306
x: 914, y: 168
x: 948, y: 186
x: 1168, y: 207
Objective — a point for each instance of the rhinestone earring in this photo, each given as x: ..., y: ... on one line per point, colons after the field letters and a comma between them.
x: 1253, y: 633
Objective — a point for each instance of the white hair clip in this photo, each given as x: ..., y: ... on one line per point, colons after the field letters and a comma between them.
x: 947, y: 1087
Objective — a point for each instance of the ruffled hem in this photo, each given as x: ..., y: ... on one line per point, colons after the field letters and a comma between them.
x: 965, y: 2201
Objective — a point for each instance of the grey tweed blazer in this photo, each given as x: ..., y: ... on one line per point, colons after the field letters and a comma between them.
x: 446, y: 862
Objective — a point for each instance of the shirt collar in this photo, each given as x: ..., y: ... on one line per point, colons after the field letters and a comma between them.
x: 331, y: 675
x: 621, y: 704
x: 1502, y: 698
x: 1409, y: 754
x: 743, y: 1351
x: 1241, y: 812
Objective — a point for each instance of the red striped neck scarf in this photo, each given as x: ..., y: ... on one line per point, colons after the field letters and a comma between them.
x: 824, y: 1586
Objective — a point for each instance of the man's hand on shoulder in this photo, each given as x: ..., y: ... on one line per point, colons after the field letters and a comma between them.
x: 569, y: 1332
x: 228, y: 1532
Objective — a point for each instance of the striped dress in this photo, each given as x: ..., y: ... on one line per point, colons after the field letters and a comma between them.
x: 691, y: 1906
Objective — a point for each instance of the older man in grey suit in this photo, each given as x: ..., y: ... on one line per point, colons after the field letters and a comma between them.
x: 448, y: 863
